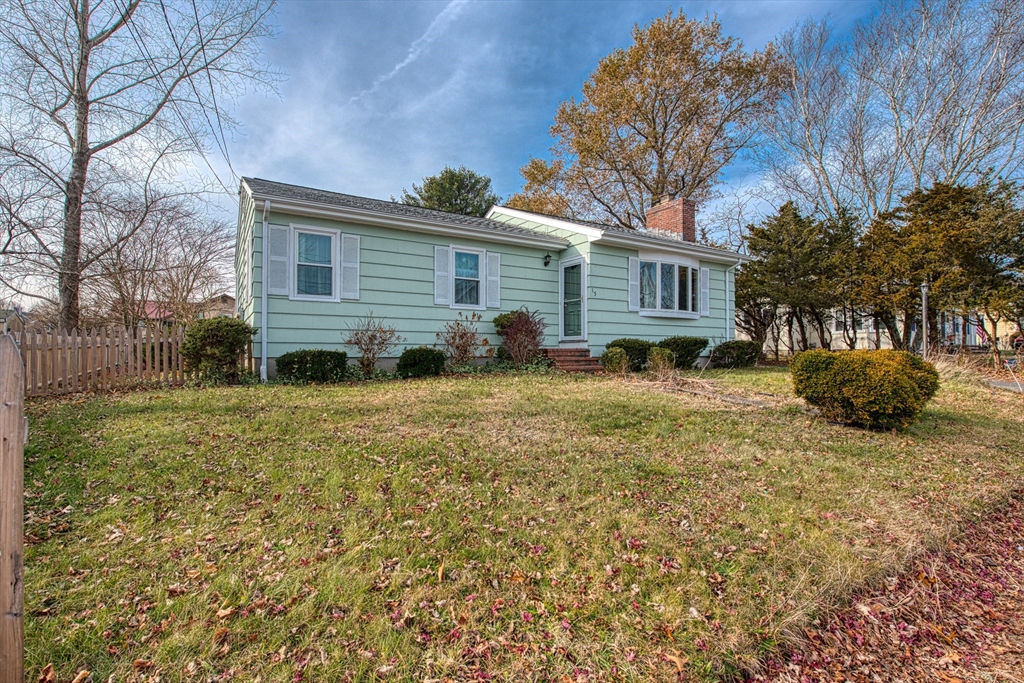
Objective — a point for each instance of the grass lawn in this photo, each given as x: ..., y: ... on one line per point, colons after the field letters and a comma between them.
x: 510, y: 528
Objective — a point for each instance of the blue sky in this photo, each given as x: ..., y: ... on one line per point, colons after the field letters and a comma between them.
x: 379, y: 94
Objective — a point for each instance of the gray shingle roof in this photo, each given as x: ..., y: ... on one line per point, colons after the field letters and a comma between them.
x: 309, y: 194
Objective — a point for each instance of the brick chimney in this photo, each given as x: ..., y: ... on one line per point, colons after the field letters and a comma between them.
x: 674, y: 215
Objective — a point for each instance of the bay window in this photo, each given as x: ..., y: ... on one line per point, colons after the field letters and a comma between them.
x: 669, y: 287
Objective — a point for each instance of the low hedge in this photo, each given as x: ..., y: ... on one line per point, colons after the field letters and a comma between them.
x: 317, y: 366
x: 421, y: 361
x: 636, y: 350
x: 739, y: 353
x: 686, y: 349
x: 874, y: 389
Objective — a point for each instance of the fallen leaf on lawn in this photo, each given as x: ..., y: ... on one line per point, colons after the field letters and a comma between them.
x: 226, y: 612
x: 142, y: 664
x: 220, y: 635
x: 680, y: 662
x: 440, y: 572
x: 47, y: 675
x: 82, y: 677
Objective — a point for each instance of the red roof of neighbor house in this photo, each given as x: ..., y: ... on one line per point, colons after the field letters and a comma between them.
x: 156, y: 310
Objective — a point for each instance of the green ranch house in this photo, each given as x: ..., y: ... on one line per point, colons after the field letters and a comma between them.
x: 309, y: 262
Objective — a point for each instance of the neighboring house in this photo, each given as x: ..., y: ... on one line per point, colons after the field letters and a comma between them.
x: 333, y: 258
x: 12, y: 321
x: 221, y: 306
x: 953, y: 332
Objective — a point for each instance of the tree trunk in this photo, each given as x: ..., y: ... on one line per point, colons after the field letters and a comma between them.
x: 993, y: 341
x: 70, y: 278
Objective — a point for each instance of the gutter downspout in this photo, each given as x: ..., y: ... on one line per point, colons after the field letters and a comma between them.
x: 263, y: 292
x: 731, y: 331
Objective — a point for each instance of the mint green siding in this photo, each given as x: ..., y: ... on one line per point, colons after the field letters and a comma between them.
x: 244, y: 255
x: 396, y: 282
x: 609, y: 316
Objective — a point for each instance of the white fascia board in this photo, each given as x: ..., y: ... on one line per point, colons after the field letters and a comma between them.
x: 698, y: 251
x: 638, y: 241
x: 362, y: 216
x: 561, y: 223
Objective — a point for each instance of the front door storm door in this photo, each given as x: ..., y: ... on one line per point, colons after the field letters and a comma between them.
x: 572, y: 300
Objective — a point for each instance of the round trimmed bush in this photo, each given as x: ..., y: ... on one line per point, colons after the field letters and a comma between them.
x: 636, y: 350
x: 615, y: 360
x: 421, y: 361
x: 307, y: 366
x: 738, y: 353
x: 686, y: 349
x: 661, y: 362
x: 214, y: 347
x: 874, y: 389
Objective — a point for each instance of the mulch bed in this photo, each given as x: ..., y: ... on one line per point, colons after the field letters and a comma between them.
x: 957, y: 615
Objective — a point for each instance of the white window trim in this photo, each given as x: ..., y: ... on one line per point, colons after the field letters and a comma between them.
x: 678, y: 263
x: 293, y: 263
x: 481, y: 290
x: 583, y: 298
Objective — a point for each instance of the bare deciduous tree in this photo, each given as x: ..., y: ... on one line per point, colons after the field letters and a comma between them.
x: 99, y: 100
x: 175, y: 261
x: 922, y: 92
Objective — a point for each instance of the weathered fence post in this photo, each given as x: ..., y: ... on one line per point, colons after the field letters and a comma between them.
x: 12, y: 443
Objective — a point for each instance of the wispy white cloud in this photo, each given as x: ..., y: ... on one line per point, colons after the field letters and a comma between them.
x: 437, y: 28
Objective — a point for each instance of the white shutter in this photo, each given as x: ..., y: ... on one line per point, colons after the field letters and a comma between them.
x: 350, y: 266
x: 493, y: 280
x: 634, y: 284
x: 705, y: 291
x: 277, y: 259
x: 442, y: 276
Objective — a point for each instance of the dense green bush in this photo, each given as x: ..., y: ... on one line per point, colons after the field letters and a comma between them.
x: 615, y: 360
x: 738, y: 353
x: 686, y: 349
x: 636, y: 349
x: 312, y: 365
x: 874, y: 389
x: 421, y: 361
x: 502, y: 320
x: 214, y: 347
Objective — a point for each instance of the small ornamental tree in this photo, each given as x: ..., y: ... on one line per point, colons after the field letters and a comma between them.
x: 461, y: 340
x: 214, y: 348
x: 373, y: 339
x: 522, y: 335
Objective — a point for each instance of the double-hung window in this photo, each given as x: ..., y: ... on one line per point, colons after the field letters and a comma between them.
x: 311, y: 263
x: 669, y: 287
x: 315, y: 264
x: 467, y: 283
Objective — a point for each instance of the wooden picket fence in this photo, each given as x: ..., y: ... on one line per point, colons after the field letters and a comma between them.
x: 69, y: 362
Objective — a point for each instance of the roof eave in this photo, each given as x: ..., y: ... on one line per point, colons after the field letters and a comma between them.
x: 704, y: 253
x: 366, y: 217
